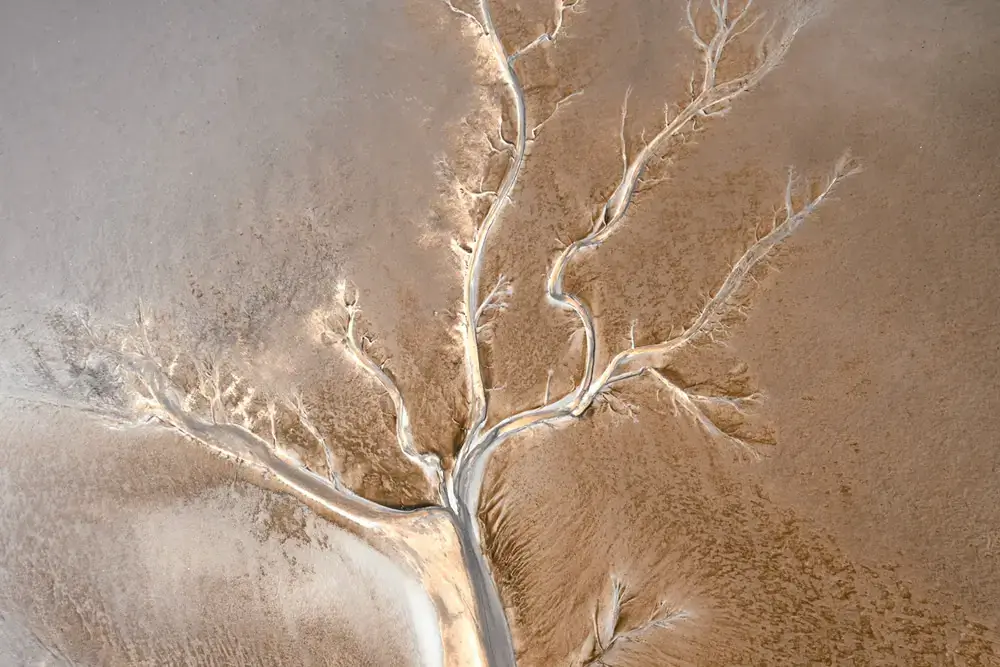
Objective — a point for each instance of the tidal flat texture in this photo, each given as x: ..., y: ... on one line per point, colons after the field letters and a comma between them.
x: 243, y: 310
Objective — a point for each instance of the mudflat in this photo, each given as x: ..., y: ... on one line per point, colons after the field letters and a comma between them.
x: 815, y: 482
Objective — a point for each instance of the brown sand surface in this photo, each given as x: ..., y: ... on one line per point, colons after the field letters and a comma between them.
x: 230, y: 196
x: 874, y: 342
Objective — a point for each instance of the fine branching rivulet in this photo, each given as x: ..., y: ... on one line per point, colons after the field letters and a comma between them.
x: 611, y: 634
x: 441, y: 541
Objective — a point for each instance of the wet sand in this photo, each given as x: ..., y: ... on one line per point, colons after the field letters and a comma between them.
x: 231, y: 196
x: 872, y: 341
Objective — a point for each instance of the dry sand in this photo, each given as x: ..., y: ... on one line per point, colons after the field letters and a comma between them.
x: 170, y: 155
